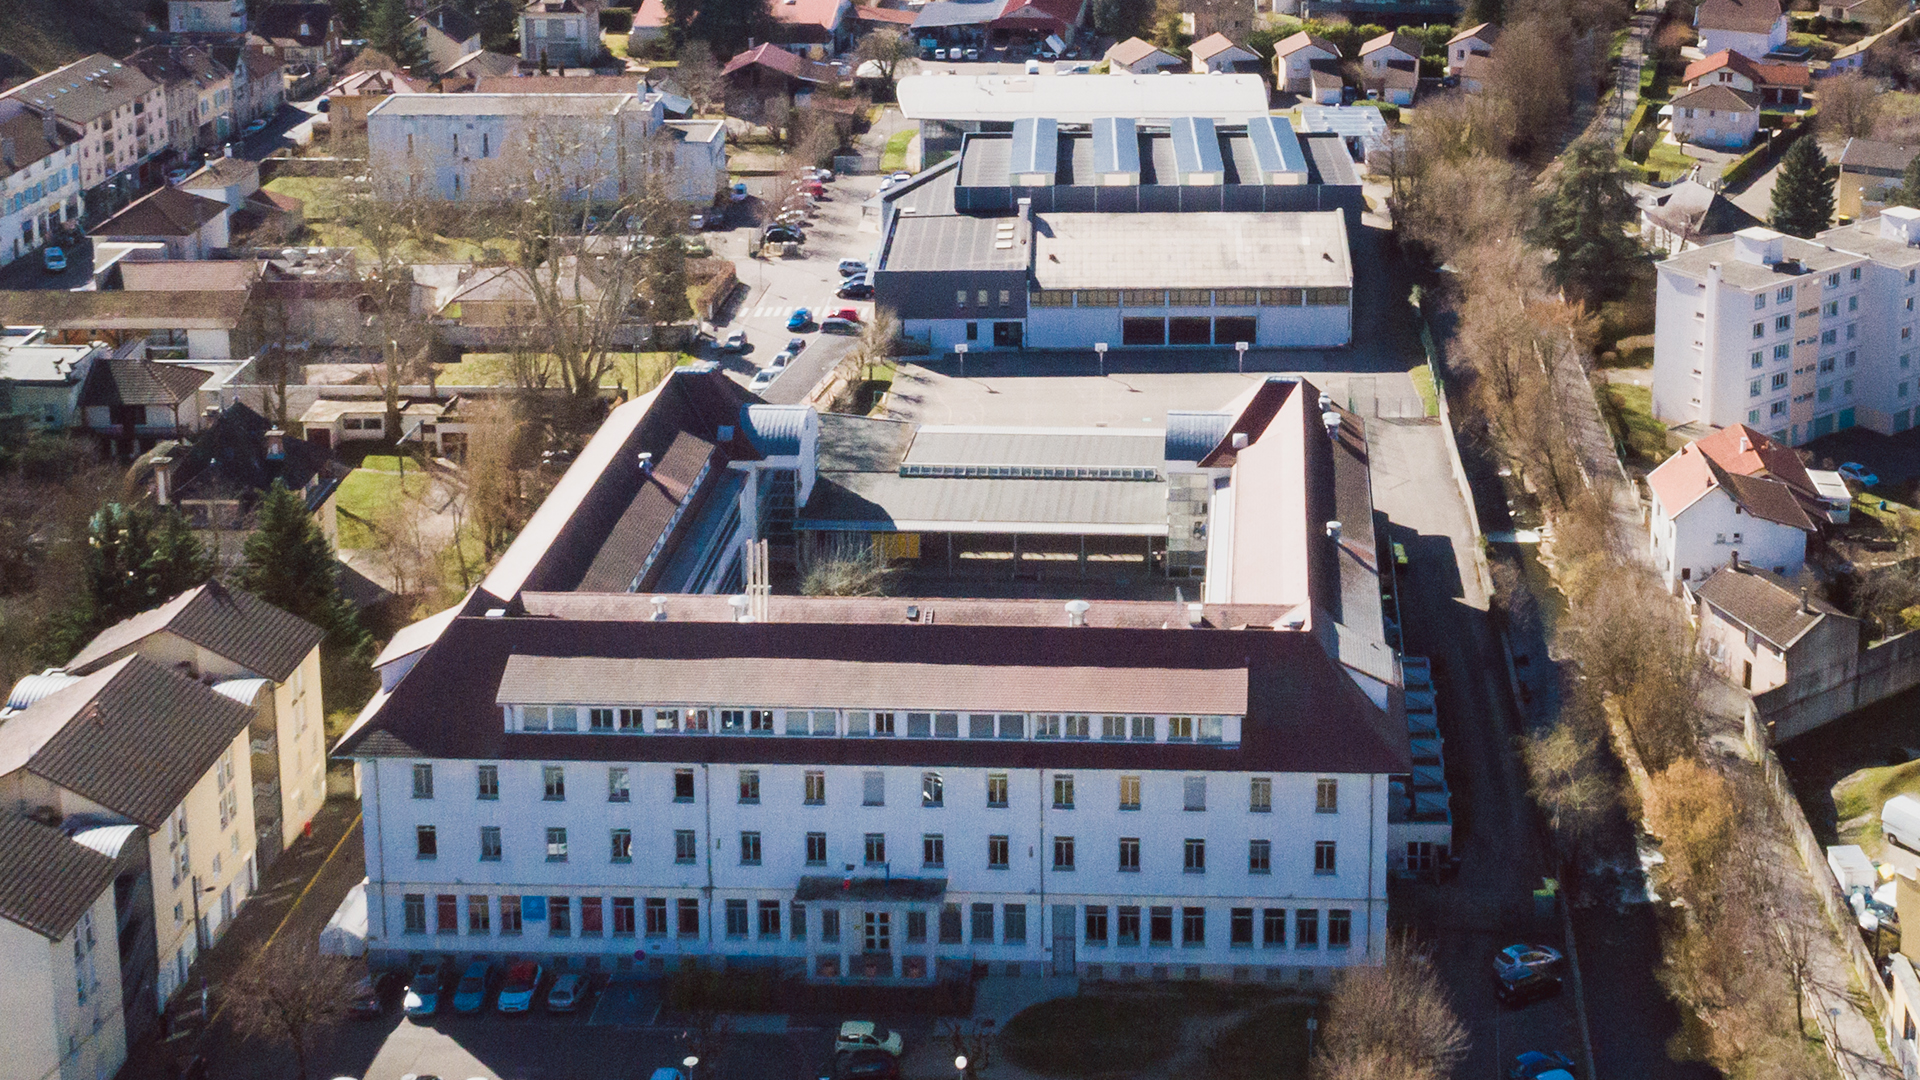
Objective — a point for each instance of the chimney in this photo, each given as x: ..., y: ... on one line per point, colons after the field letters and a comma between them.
x: 50, y: 129
x: 1077, y: 612
x: 1806, y: 604
x: 163, y: 480
x: 1746, y: 445
x: 1733, y: 561
x: 276, y: 444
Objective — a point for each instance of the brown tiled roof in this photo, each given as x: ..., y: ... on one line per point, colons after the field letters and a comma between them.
x: 451, y: 21
x: 1766, y: 603
x: 227, y: 622
x: 1725, y: 58
x: 1214, y: 45
x: 134, y: 737
x: 1720, y: 98
x: 1766, y: 499
x: 1131, y: 51
x: 28, y: 133
x: 1302, y: 40
x: 282, y: 23
x: 189, y: 275
x: 48, y: 881
x: 169, y: 211
x: 122, y: 310
x: 1406, y: 43
x: 1746, y: 16
x: 1303, y: 713
x: 129, y: 381
x: 1485, y: 31
x: 1873, y: 154
x: 85, y: 90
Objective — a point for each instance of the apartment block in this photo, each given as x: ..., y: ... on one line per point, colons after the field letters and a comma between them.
x: 1794, y: 338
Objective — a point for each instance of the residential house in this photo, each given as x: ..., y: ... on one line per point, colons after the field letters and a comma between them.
x: 1136, y: 57
x: 191, y: 226
x: 1475, y: 71
x: 956, y: 22
x: 217, y: 478
x: 1220, y: 795
x: 820, y: 25
x: 1219, y: 53
x: 1758, y: 630
x: 477, y: 66
x: 1473, y: 41
x: 354, y: 94
x: 1395, y: 83
x: 259, y: 81
x: 40, y: 381
x: 1752, y: 28
x: 1687, y: 214
x: 128, y: 404
x: 602, y: 144
x: 1202, y: 19
x: 119, y: 113
x: 138, y: 743
x: 1870, y: 173
x: 1778, y: 84
x: 768, y: 74
x: 209, y: 324
x: 1854, y: 11
x: 1293, y: 60
x: 224, y: 17
x: 1379, y: 54
x: 448, y: 35
x: 40, y: 189
x: 1049, y: 23
x: 431, y: 424
x: 303, y: 37
x: 560, y: 33
x: 1326, y: 83
x: 1715, y: 116
x: 249, y: 652
x: 61, y: 947
x: 1733, y: 491
x: 1796, y: 338
x: 229, y: 180
x: 199, y: 94
x: 1854, y: 57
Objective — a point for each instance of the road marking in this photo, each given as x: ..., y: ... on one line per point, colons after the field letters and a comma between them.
x: 295, y: 906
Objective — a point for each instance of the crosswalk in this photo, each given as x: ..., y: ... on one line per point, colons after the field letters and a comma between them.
x: 820, y: 310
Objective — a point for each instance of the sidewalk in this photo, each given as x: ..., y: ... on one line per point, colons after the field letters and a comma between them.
x: 297, y: 896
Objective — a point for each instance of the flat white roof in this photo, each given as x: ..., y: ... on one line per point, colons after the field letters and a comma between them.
x: 1081, y: 99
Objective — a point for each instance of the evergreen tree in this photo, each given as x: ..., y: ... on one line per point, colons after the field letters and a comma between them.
x: 288, y: 563
x: 136, y: 558
x: 1122, y: 19
x: 352, y: 15
x: 664, y: 270
x: 1583, y: 221
x: 389, y: 30
x: 499, y: 22
x: 1908, y: 193
x: 1803, y: 191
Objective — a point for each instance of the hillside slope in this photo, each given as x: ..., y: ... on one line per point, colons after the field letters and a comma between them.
x: 41, y: 35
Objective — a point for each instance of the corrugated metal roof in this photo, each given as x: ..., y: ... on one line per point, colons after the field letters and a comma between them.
x: 244, y: 691
x: 1088, y: 447
x: 46, y: 880
x: 1193, y: 435
x: 108, y: 840
x: 775, y: 430
x: 32, y: 688
x: 1036, y: 148
x: 859, y: 684
x: 883, y: 502
x: 1116, y: 148
x: 1196, y: 149
x: 1276, y: 150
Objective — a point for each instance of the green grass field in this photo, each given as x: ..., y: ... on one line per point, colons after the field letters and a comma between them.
x: 1629, y: 412
x: 369, y: 490
x: 329, y: 221
x: 1422, y: 377
x: 894, y: 157
x: 1858, y: 797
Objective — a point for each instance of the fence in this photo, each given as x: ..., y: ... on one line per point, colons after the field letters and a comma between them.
x: 856, y: 164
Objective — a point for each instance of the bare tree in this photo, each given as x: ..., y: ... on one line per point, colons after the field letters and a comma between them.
x: 1568, y: 777
x: 844, y: 566
x: 288, y: 993
x: 886, y: 49
x: 494, y: 502
x: 698, y: 76
x: 1391, y: 1021
x: 1849, y: 106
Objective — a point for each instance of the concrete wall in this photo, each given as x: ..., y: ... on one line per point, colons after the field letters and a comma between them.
x: 1824, y: 695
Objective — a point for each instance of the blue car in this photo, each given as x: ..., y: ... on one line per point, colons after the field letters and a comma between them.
x: 471, y: 994
x: 801, y: 319
x: 1541, y: 1065
x: 54, y: 260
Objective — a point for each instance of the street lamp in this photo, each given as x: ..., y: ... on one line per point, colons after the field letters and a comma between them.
x: 963, y: 1066
x: 961, y: 351
x: 1313, y: 1024
x: 690, y: 1061
x: 1240, y: 347
x: 1100, y: 350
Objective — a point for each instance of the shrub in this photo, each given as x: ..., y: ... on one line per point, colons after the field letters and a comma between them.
x: 616, y: 20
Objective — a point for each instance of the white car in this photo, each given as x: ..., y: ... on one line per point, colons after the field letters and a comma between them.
x: 867, y: 1035
x: 901, y: 177
x: 568, y: 992
x: 852, y: 268
x: 765, y: 376
x: 734, y: 342
x: 523, y: 979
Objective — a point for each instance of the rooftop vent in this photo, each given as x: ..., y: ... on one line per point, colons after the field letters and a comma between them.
x: 659, y: 609
x: 646, y: 463
x: 1077, y: 612
x: 741, y: 606
x: 913, y: 612
x: 1332, y: 420
x: 1333, y: 531
x: 1239, y: 440
x: 496, y: 613
x: 1196, y: 614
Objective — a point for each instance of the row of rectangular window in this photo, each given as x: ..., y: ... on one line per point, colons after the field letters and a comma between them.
x: 867, y: 724
x: 933, y: 850
x: 1161, y: 298
x: 874, y: 791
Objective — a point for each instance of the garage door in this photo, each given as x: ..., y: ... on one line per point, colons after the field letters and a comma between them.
x: 1137, y: 331
x: 1228, y: 329
x: 1190, y: 330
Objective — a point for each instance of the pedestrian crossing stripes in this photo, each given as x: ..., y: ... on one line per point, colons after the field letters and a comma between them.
x: 819, y: 310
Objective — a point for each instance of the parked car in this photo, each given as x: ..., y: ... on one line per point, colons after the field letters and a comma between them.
x: 734, y: 342
x: 765, y: 376
x: 568, y: 992
x: 370, y: 995
x: 901, y: 177
x: 847, y: 313
x: 783, y: 234
x: 825, y: 176
x: 867, y: 1035
x: 800, y: 319
x: 1541, y: 1065
x: 973, y: 54
x: 175, y: 176
x: 1520, y: 986
x: 781, y: 359
x: 516, y: 995
x: 854, y: 289
x: 796, y: 346
x: 1537, y: 957
x: 54, y: 260
x: 470, y: 996
x: 861, y: 1065
x: 839, y: 326
x: 1852, y: 470
x: 738, y: 193
x: 852, y: 268
x: 423, y: 992
x: 257, y: 127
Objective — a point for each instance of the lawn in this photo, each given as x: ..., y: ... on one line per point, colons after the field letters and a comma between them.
x: 1629, y: 412
x: 1422, y: 377
x: 330, y: 223
x: 1858, y: 797
x: 1136, y: 1031
x: 615, y: 43
x: 1666, y: 162
x: 637, y: 372
x: 367, y: 491
x: 894, y: 157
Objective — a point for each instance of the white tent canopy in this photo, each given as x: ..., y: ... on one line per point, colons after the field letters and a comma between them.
x: 346, y: 932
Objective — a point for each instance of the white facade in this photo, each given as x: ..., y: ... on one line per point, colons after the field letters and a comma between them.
x: 207, y: 16
x: 1721, y: 128
x: 1747, y: 43
x: 36, y: 194
x: 738, y: 837
x: 560, y: 38
x: 1701, y: 537
x: 121, y: 113
x: 1295, y: 69
x: 60, y: 1003
x: 481, y: 146
x: 1794, y: 338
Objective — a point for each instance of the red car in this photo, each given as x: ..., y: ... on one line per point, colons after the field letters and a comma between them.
x: 846, y: 313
